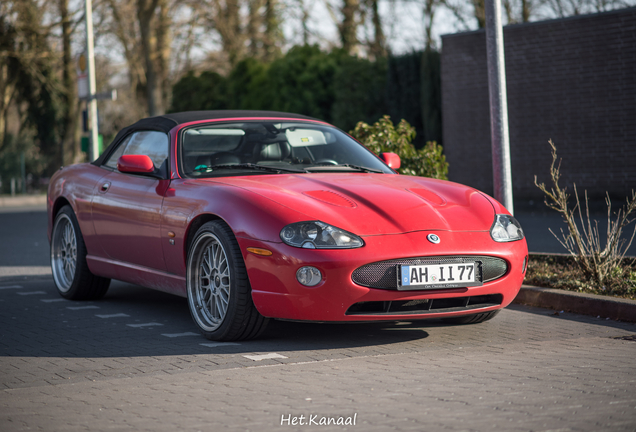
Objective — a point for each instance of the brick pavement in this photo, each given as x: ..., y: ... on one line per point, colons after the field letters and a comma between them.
x: 70, y: 369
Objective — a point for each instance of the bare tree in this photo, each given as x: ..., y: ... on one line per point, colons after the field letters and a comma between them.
x: 430, y: 7
x: 272, y: 34
x: 152, y: 16
x: 304, y: 18
x: 31, y: 83
x: 377, y: 45
x: 348, y: 26
x: 69, y: 115
x: 225, y: 18
x: 8, y: 69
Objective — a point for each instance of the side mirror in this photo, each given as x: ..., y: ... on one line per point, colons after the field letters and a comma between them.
x: 136, y: 164
x: 391, y: 159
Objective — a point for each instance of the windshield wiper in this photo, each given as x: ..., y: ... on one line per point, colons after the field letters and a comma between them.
x: 255, y: 167
x: 326, y: 167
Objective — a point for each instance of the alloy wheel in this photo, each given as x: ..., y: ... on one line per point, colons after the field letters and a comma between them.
x: 209, y: 282
x: 64, y: 253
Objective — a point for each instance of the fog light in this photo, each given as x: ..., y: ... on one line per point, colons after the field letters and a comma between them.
x: 309, y: 276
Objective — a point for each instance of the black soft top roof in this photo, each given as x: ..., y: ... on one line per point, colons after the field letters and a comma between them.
x: 164, y: 123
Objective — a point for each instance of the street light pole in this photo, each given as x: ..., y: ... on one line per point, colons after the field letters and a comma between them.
x: 93, y: 151
x: 500, y: 138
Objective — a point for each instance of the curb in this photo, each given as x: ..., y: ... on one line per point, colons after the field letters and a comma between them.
x: 585, y: 304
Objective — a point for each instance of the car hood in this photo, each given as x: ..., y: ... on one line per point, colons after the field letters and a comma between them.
x: 374, y: 204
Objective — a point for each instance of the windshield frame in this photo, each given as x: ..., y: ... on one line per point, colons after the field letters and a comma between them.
x: 181, y: 133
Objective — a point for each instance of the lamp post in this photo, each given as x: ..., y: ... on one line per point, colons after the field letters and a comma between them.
x: 93, y: 150
x: 500, y: 138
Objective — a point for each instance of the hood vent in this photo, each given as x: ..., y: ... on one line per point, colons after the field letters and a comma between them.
x: 332, y: 198
x: 429, y: 196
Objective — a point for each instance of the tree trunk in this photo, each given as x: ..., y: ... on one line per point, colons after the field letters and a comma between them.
x: 480, y: 12
x: 429, y: 16
x: 349, y: 26
x: 163, y: 52
x: 231, y: 31
x: 145, y: 14
x: 304, y: 20
x: 378, y: 46
x: 253, y: 26
x: 7, y: 92
x: 69, y: 95
x: 272, y: 35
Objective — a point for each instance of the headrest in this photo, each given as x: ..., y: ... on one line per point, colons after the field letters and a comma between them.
x: 277, y: 151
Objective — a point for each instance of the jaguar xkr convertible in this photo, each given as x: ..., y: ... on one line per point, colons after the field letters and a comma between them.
x: 259, y: 215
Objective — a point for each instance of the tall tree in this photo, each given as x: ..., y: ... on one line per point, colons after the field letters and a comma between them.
x: 272, y: 32
x: 154, y: 26
x: 38, y: 87
x: 348, y: 26
x: 69, y: 101
x: 9, y: 70
x: 377, y: 45
x: 430, y: 7
x: 225, y: 18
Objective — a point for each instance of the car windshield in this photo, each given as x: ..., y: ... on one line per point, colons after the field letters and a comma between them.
x: 257, y: 147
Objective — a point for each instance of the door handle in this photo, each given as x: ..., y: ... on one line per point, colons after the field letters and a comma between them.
x: 104, y: 187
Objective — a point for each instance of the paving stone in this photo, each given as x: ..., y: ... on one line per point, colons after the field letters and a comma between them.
x: 525, y: 370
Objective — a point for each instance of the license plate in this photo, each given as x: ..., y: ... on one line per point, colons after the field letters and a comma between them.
x: 430, y: 276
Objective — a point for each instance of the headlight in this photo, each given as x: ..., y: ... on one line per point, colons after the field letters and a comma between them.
x: 319, y: 235
x: 506, y: 229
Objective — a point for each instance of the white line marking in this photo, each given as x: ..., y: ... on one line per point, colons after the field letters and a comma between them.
x: 52, y: 300
x: 113, y: 315
x: 218, y: 344
x: 260, y: 357
x: 31, y: 293
x: 144, y: 325
x: 81, y: 307
x: 173, y: 335
x: 11, y: 287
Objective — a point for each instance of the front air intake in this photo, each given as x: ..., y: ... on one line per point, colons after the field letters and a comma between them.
x: 383, y: 274
x: 425, y: 306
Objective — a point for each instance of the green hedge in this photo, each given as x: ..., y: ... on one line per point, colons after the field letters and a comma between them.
x: 331, y: 86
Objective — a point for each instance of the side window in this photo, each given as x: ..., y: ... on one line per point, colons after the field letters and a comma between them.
x: 153, y: 144
x: 112, y: 160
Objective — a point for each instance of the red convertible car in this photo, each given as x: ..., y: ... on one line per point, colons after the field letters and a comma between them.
x: 257, y: 215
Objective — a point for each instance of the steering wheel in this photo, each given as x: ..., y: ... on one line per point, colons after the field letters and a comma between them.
x: 326, y: 161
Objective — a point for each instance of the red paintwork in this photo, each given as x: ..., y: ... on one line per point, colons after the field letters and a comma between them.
x: 126, y: 231
x: 135, y: 164
x: 391, y: 159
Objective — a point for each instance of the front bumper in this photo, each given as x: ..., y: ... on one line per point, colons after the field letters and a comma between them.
x: 276, y: 292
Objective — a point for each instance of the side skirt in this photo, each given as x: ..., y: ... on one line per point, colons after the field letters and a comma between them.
x: 137, y: 275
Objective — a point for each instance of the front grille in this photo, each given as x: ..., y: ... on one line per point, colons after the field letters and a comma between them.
x: 383, y: 274
x: 425, y: 306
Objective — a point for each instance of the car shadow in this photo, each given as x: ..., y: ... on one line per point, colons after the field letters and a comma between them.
x: 132, y: 321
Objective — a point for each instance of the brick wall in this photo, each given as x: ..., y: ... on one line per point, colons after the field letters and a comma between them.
x: 571, y: 80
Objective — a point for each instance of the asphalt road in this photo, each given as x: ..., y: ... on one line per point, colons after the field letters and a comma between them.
x: 133, y: 361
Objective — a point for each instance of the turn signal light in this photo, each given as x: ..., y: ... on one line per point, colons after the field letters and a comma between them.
x: 259, y: 251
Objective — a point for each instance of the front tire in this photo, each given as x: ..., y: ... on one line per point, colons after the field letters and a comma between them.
x: 71, y: 274
x: 219, y: 292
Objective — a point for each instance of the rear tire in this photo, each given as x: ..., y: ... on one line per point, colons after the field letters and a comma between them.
x: 472, y: 319
x: 219, y: 291
x: 72, y: 277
